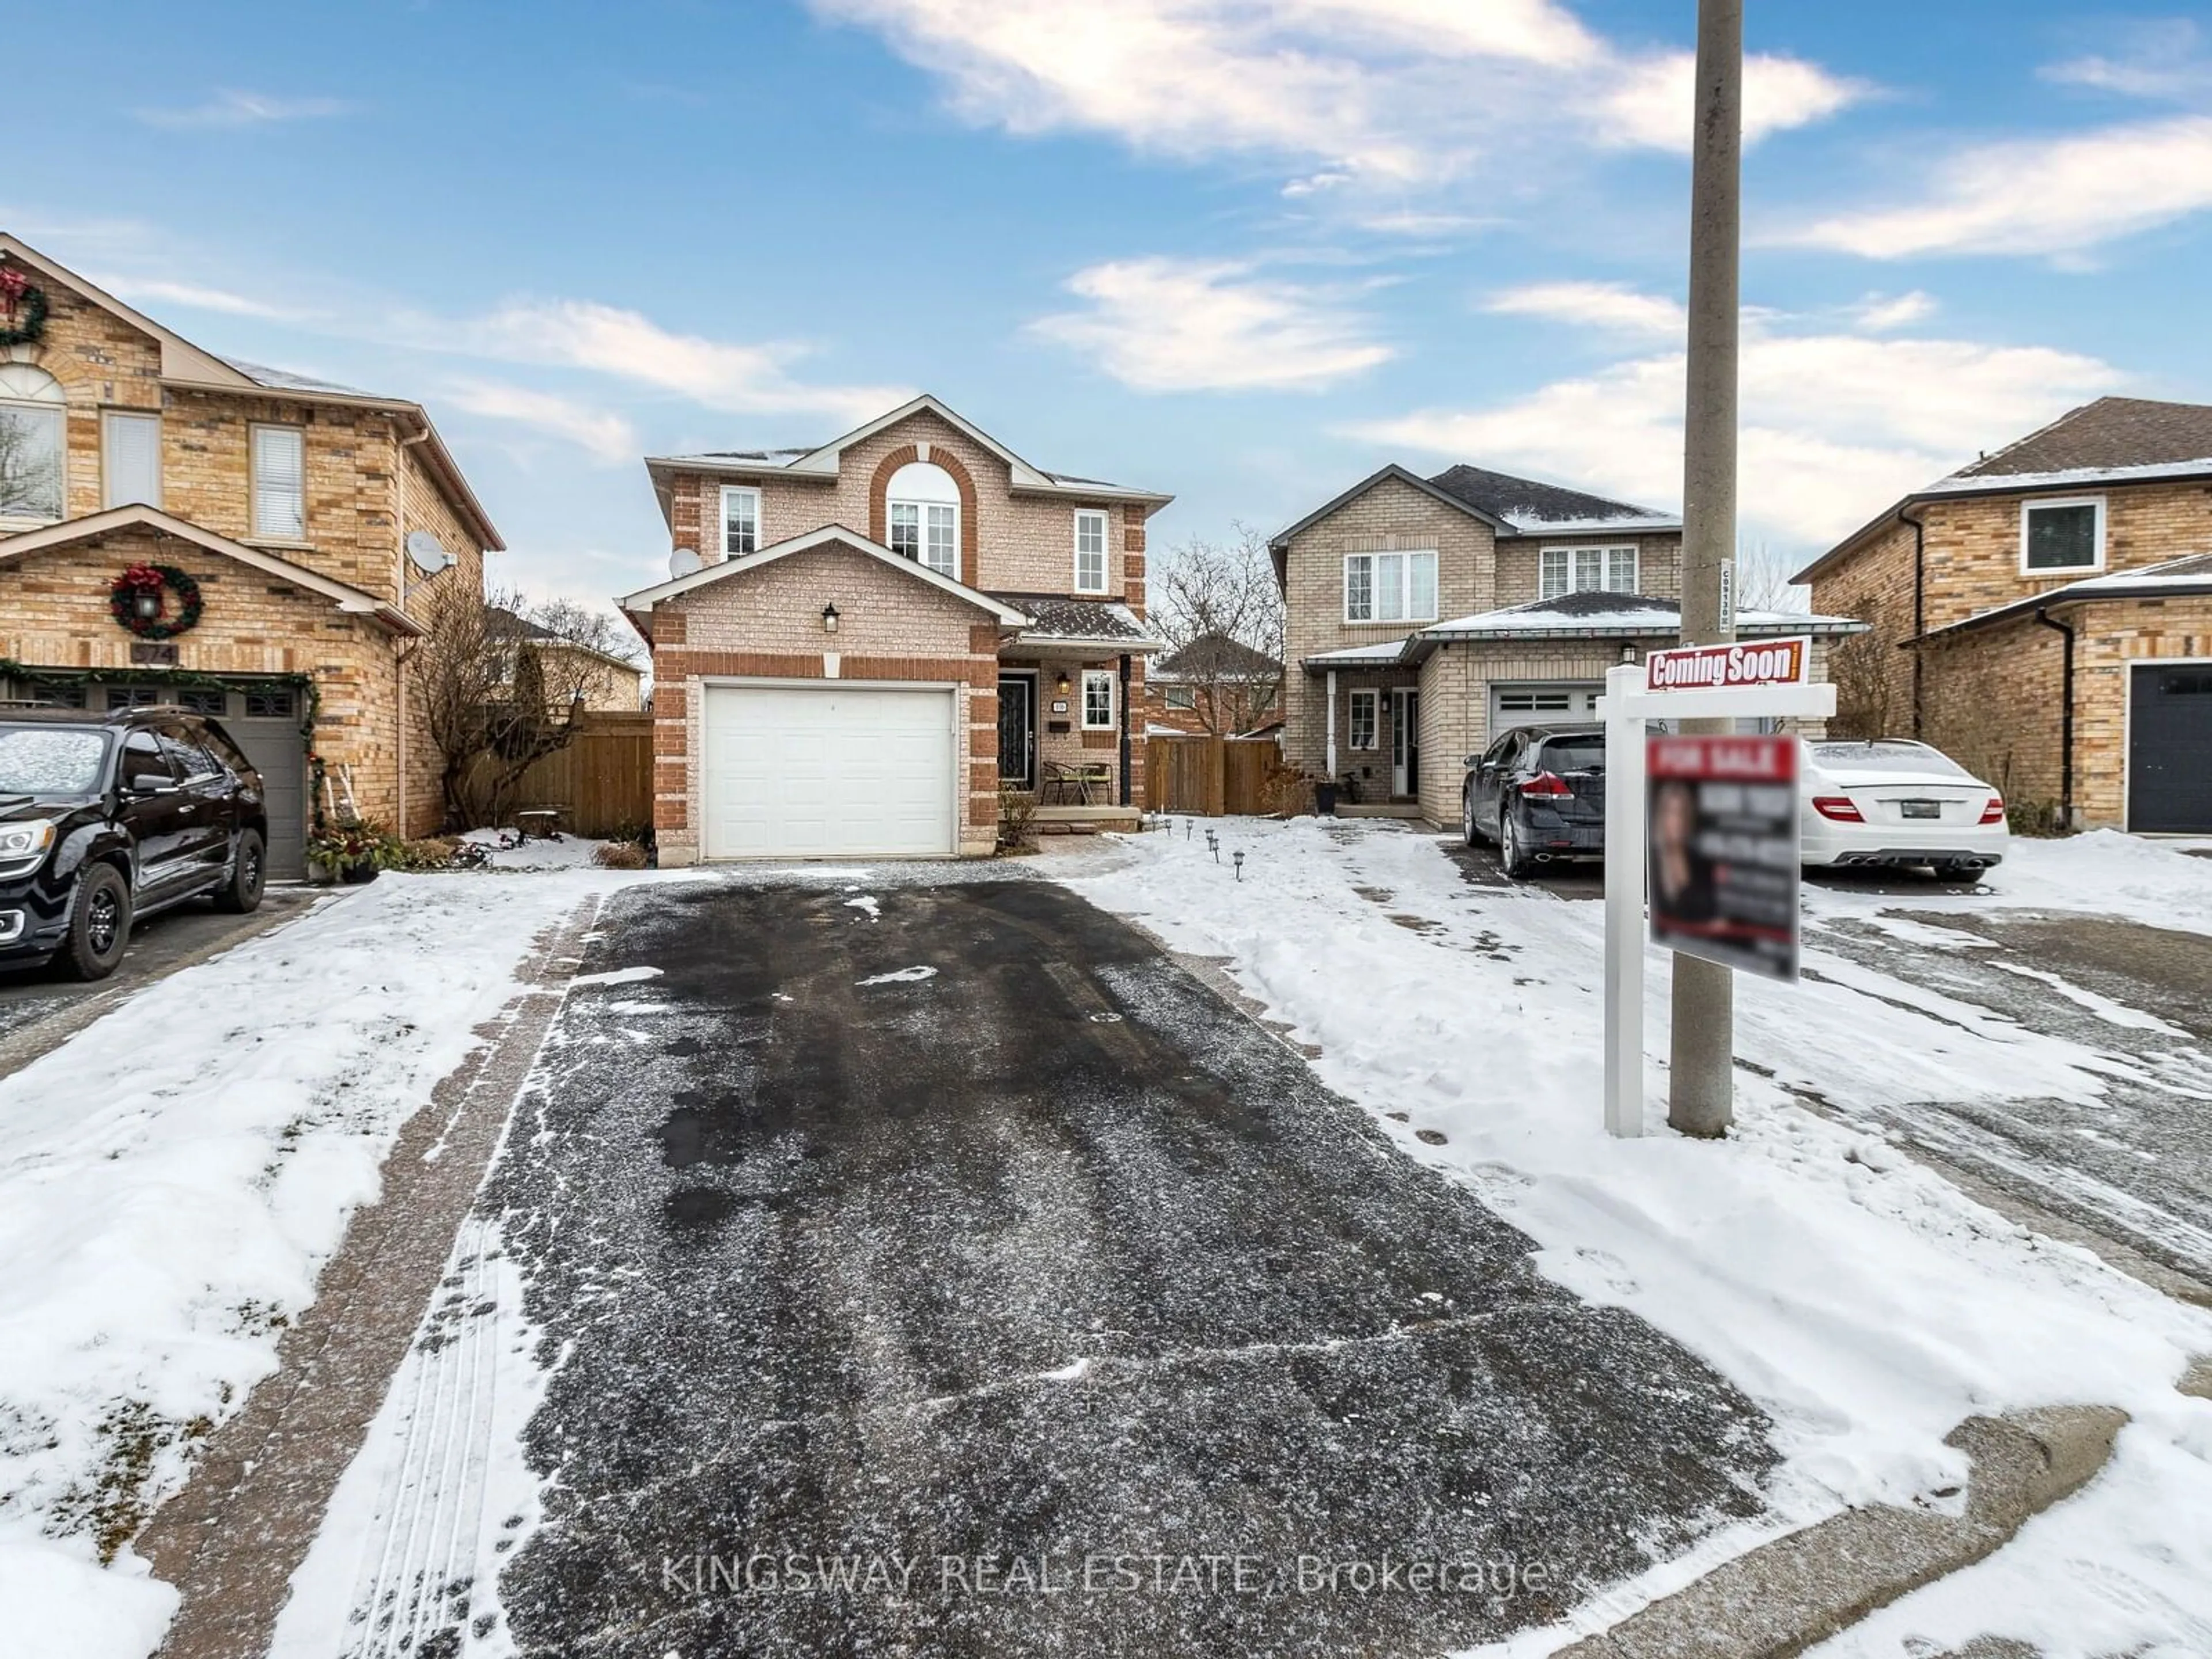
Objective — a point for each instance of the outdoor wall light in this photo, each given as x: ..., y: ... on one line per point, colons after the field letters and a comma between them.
x: 829, y: 618
x: 1063, y: 682
x: 1628, y: 653
x: 146, y: 604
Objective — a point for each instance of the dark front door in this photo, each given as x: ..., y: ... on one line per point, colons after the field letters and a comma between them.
x: 1018, y: 731
x: 2170, y: 748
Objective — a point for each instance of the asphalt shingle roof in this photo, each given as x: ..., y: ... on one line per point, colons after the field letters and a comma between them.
x: 1074, y: 619
x: 1217, y: 654
x: 1527, y: 501
x: 2112, y: 432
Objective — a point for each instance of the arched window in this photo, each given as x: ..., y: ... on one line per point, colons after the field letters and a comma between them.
x: 925, y: 516
x: 32, y: 416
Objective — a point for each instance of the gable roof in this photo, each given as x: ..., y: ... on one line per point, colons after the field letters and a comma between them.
x: 820, y: 464
x: 645, y: 599
x: 2113, y: 441
x: 1280, y: 543
x: 347, y: 597
x: 1216, y: 656
x: 1532, y: 507
x: 187, y: 367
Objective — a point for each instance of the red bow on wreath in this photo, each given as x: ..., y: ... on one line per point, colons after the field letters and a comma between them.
x: 137, y: 576
x: 13, y: 282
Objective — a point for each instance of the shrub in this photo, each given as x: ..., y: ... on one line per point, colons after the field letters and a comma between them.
x: 620, y: 855
x: 431, y: 853
x: 1016, y: 821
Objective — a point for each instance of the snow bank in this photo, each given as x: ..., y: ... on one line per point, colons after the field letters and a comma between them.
x: 171, y: 1180
x: 565, y: 853
x: 1865, y: 1302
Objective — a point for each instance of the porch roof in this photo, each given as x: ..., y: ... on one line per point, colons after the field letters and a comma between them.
x: 1058, y: 625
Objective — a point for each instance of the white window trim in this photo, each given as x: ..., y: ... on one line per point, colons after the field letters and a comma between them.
x: 922, y: 511
x: 1372, y: 698
x: 1187, y: 694
x: 60, y: 414
x: 1604, y: 552
x: 107, y: 418
x: 722, y: 526
x: 253, y: 482
x: 1105, y: 549
x: 1374, y: 593
x: 2031, y: 504
x: 1106, y: 676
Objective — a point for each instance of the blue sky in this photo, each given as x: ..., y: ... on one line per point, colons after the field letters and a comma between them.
x: 1242, y: 251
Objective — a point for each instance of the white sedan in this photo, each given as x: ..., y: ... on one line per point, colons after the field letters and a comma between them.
x: 1892, y: 802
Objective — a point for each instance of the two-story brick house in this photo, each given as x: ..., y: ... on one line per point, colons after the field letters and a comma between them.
x: 1427, y: 616
x: 2044, y: 615
x: 862, y: 641
x: 277, y: 514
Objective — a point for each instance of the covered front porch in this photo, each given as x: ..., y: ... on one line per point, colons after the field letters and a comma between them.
x: 1070, y: 687
x: 1371, y: 734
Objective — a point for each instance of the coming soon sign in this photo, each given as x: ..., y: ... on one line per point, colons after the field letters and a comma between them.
x: 1762, y: 662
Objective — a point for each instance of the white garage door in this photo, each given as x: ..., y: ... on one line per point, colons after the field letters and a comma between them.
x: 1516, y: 703
x: 827, y: 771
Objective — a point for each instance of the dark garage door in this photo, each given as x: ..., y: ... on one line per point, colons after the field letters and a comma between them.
x: 2170, y: 748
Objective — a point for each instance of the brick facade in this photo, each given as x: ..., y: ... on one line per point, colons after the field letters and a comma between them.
x: 1476, y: 571
x: 367, y: 486
x: 1990, y: 697
x: 892, y: 626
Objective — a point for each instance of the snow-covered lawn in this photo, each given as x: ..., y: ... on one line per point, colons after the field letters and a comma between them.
x: 1862, y: 1300
x: 171, y: 1181
x: 536, y: 853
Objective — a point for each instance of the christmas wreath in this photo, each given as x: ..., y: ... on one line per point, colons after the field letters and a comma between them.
x: 137, y: 601
x: 22, y: 306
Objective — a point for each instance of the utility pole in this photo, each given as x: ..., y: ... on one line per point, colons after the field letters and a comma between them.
x: 1702, y: 1083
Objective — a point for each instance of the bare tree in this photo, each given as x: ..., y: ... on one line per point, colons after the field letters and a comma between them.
x: 1215, y: 605
x: 501, y: 684
x: 30, y: 466
x: 1762, y: 581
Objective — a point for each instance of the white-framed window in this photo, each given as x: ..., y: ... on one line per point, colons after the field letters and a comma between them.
x: 741, y: 508
x: 923, y: 516
x: 1181, y: 696
x: 1359, y: 729
x: 1386, y: 588
x: 32, y: 443
x: 2062, y: 534
x: 1097, y: 699
x: 130, y: 459
x: 1089, y: 550
x: 280, y: 483
x: 1585, y: 570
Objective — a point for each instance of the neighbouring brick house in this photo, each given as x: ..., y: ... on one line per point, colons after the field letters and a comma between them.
x: 2044, y: 615
x: 1213, y: 686
x: 863, y: 641
x: 285, y: 505
x: 1427, y: 616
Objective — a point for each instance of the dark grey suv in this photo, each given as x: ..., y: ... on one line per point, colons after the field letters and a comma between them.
x: 107, y: 818
x: 1538, y: 792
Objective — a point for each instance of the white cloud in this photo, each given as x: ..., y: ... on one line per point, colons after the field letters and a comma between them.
x: 2159, y: 60
x: 1878, y: 313
x: 1393, y: 93
x: 1834, y: 426
x: 1654, y: 103
x: 244, y: 109
x: 1613, y: 305
x: 149, y: 291
x: 2054, y: 195
x: 608, y: 437
x: 608, y: 340
x: 1165, y: 325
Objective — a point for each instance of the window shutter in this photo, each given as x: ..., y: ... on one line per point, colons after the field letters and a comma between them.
x: 280, y: 484
x: 131, y: 461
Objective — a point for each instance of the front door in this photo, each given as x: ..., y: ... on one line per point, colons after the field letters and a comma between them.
x: 1018, y: 731
x: 1405, y: 743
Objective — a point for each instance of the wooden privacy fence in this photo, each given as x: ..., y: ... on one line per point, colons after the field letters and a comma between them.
x: 1211, y: 777
x: 602, y: 782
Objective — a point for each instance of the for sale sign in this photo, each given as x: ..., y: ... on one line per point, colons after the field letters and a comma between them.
x: 1723, y: 842
x: 1752, y: 662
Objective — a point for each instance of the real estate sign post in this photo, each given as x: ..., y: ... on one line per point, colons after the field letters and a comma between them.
x: 1755, y: 836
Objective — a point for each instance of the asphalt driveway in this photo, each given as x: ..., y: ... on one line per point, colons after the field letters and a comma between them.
x: 947, y: 1231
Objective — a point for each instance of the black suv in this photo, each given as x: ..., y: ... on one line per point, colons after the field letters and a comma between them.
x: 105, y: 818
x: 1539, y: 791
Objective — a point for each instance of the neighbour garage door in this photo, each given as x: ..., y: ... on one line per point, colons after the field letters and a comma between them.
x: 1514, y: 703
x: 2170, y: 748
x: 828, y: 771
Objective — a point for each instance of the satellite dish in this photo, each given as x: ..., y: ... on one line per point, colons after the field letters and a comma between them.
x: 684, y: 561
x: 429, y: 556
